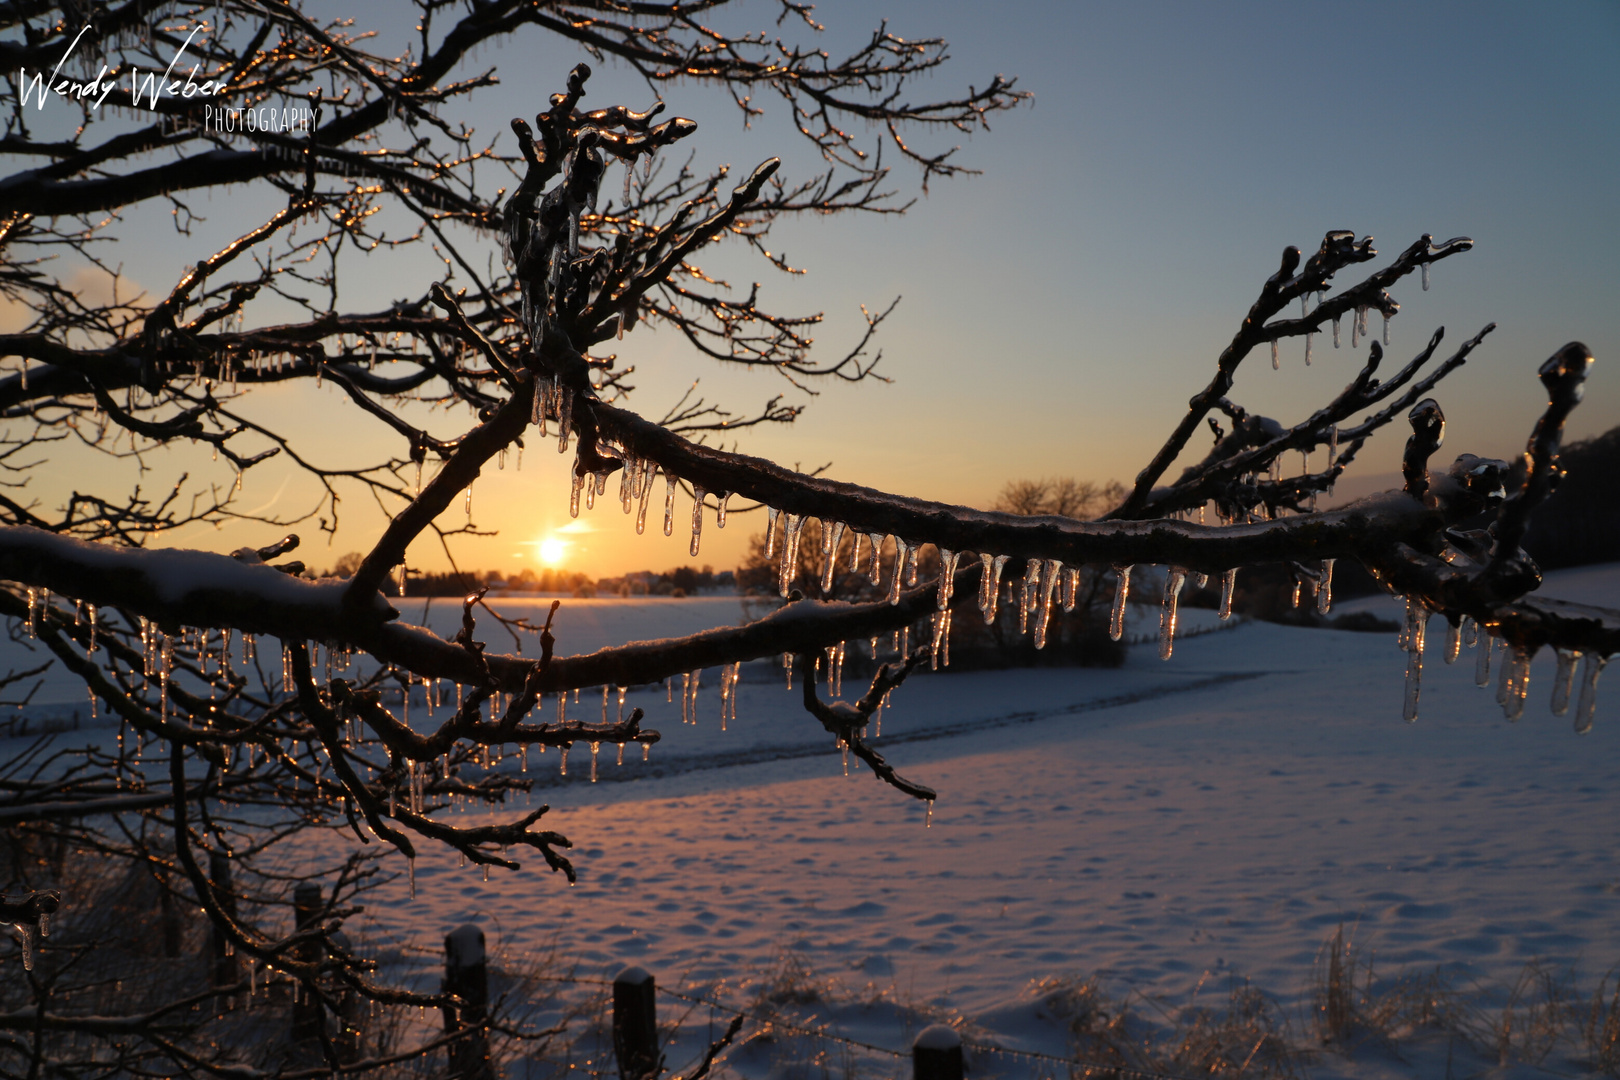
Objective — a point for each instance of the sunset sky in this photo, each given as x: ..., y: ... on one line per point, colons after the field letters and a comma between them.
x: 1058, y: 310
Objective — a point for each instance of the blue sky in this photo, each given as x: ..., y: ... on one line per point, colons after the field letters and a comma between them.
x: 1059, y: 309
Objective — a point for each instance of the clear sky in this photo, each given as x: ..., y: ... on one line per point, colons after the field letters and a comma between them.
x: 1059, y: 309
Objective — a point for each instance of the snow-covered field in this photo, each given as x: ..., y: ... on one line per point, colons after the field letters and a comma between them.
x: 1170, y: 829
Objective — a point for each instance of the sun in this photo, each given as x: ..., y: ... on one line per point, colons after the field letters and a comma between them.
x: 552, y: 551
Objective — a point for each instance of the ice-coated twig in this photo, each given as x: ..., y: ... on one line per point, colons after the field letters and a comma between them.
x: 847, y: 722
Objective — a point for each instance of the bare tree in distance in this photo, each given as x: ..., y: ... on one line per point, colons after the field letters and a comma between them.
x: 222, y: 756
x: 1060, y: 496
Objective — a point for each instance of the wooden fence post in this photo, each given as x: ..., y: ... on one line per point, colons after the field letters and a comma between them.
x: 226, y: 970
x: 937, y: 1054
x: 306, y: 1017
x: 635, y: 1024
x: 466, y: 975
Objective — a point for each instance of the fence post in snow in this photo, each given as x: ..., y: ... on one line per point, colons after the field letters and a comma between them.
x: 937, y: 1054
x: 466, y: 975
x: 635, y: 1024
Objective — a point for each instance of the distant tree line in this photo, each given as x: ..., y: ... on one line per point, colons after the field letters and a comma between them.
x: 681, y: 581
x: 462, y: 582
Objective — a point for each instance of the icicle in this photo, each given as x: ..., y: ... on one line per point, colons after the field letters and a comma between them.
x: 855, y: 552
x: 1417, y: 621
x: 1276, y: 364
x: 627, y: 483
x: 875, y: 571
x: 895, y: 583
x: 1563, y: 680
x: 1470, y: 632
x: 623, y: 690
x: 912, y: 552
x: 1518, y: 686
x: 720, y: 511
x: 1588, y: 701
x: 469, y: 504
x: 33, y: 612
x: 646, y: 752
x: 830, y: 539
x: 990, y: 585
x: 565, y: 413
x: 1122, y: 589
x: 595, y: 746
x: 792, y: 524
x: 1505, y: 682
x: 939, y: 624
x: 928, y: 820
x: 1029, y: 593
x: 1049, y: 580
x: 25, y: 937
x: 573, y: 495
x: 90, y: 614
x: 1324, y: 588
x: 947, y: 577
x: 725, y: 693
x: 1425, y: 277
x: 771, y: 514
x: 1070, y: 587
x: 564, y: 762
x: 830, y: 536
x: 1228, y: 583
x: 1453, y: 641
x: 1173, y: 581
x: 697, y: 519
x: 590, y: 491
x: 1308, y: 338
x: 669, y: 504
x: 646, y: 492
x: 1335, y: 331
x: 1482, y: 662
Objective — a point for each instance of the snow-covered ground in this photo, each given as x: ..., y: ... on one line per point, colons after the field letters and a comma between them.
x: 1167, y: 827
x: 1170, y: 829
